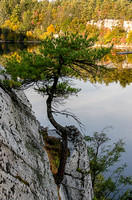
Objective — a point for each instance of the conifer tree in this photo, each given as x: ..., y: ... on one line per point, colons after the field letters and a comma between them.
x: 59, y: 60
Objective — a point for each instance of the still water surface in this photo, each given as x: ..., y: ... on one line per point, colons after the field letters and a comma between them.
x: 97, y: 106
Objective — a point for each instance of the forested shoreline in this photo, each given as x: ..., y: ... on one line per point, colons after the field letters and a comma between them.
x: 30, y: 20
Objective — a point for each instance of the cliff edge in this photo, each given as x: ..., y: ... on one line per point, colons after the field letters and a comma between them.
x: 24, y: 165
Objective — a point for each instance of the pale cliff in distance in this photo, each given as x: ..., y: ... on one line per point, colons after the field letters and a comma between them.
x: 111, y: 23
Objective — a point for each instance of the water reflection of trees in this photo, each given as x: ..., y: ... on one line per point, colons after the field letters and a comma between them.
x: 117, y: 74
x: 122, y: 76
x: 8, y: 48
x: 118, y: 61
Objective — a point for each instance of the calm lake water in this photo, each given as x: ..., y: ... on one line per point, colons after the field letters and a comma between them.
x: 97, y: 106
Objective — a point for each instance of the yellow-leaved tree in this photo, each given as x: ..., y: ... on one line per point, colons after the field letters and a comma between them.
x: 51, y: 29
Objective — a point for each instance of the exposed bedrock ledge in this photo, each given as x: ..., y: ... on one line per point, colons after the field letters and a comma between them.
x: 77, y: 184
x: 77, y: 180
x: 24, y: 165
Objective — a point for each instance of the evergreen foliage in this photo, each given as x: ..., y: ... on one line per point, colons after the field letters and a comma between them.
x: 59, y: 60
x: 70, y: 52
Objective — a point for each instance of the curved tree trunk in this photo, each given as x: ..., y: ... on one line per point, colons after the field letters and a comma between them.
x: 64, y: 135
x: 61, y: 129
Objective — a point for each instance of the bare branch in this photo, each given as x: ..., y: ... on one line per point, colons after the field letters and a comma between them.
x: 69, y: 114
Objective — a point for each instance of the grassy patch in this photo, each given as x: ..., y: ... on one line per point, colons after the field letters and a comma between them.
x: 53, y: 146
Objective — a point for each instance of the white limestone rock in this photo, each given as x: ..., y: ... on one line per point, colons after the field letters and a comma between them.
x: 112, y: 23
x: 77, y: 184
x: 24, y: 166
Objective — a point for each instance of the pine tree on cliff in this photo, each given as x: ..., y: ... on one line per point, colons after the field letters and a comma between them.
x: 59, y: 60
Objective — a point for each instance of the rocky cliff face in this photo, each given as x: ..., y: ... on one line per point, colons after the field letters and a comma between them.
x: 111, y: 23
x: 77, y: 180
x: 24, y: 165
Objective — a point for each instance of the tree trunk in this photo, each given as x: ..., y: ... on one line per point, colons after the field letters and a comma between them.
x: 61, y: 129
x: 61, y: 169
x: 64, y: 135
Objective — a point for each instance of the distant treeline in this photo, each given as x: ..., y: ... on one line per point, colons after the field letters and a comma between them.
x: 32, y: 20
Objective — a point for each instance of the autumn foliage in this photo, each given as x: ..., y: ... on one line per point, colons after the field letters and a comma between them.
x: 22, y: 20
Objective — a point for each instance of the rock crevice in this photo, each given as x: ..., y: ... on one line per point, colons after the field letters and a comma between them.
x: 24, y: 165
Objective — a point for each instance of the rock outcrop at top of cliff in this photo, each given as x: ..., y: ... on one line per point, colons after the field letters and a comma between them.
x: 24, y: 165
